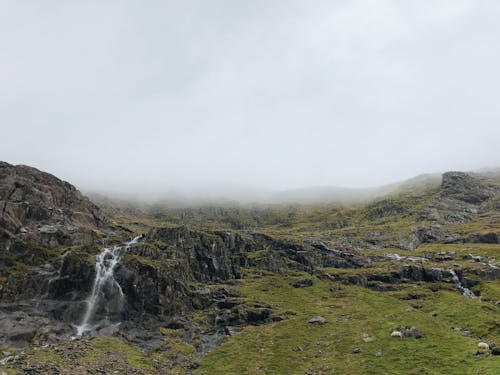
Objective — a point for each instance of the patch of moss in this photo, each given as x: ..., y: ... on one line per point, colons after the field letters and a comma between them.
x: 171, y: 332
x: 134, y: 258
x: 132, y: 355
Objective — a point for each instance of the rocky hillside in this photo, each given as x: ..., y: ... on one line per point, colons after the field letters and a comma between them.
x: 40, y: 208
x: 269, y: 289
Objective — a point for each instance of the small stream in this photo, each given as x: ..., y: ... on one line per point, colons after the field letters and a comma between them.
x: 465, y: 291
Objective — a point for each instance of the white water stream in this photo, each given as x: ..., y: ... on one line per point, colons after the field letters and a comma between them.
x: 106, y: 291
x: 465, y: 291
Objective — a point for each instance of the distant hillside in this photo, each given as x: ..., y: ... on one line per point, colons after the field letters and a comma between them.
x: 331, y: 194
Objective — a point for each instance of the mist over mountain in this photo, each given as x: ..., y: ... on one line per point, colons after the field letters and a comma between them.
x: 186, y: 96
x: 248, y: 196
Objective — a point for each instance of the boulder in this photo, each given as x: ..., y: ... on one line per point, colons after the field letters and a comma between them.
x: 317, y: 320
x: 302, y: 283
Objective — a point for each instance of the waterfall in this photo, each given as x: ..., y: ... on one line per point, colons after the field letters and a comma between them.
x: 106, y: 295
x: 465, y: 291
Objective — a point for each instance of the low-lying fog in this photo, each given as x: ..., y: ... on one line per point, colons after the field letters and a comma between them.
x: 244, y: 100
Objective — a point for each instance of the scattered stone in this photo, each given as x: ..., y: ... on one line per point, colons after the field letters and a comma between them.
x: 410, y: 309
x: 480, y: 353
x: 433, y: 314
x: 413, y: 296
x: 302, y: 283
x: 356, y: 350
x: 318, y: 320
x: 495, y: 351
x: 473, y: 258
x: 278, y: 318
x: 230, y: 331
x: 378, y: 354
x: 408, y: 332
x: 412, y: 332
x: 443, y: 256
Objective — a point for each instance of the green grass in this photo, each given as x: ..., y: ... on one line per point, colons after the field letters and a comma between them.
x: 293, y: 346
x: 104, y: 346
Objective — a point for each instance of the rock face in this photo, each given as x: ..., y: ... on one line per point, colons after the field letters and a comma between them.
x: 162, y: 276
x: 461, y: 199
x: 156, y: 273
x: 40, y: 208
x: 40, y: 217
x: 467, y: 188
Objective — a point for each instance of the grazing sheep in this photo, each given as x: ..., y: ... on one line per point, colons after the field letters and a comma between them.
x: 483, y: 346
x: 397, y: 334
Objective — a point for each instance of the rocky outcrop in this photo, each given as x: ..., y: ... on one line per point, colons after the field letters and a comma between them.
x: 158, y: 274
x: 39, y: 208
x: 419, y: 273
x: 490, y: 237
x: 462, y: 198
x: 466, y: 187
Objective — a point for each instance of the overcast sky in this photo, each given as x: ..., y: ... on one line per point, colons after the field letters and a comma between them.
x: 162, y: 95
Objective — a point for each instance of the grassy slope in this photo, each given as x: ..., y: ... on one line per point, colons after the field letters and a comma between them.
x: 294, y: 346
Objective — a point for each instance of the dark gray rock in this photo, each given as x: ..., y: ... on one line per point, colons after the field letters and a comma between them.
x: 317, y: 320
x: 302, y: 283
x: 465, y: 187
x: 411, y: 332
x: 40, y: 208
x: 485, y: 238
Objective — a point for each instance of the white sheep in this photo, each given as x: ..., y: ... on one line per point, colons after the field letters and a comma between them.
x: 397, y: 334
x: 483, y: 346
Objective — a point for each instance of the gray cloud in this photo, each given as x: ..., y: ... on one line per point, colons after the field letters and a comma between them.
x: 190, y: 95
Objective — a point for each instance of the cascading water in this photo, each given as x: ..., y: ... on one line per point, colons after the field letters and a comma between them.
x: 107, y: 295
x: 465, y: 291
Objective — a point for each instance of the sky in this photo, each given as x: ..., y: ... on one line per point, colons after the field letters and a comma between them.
x: 175, y: 96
